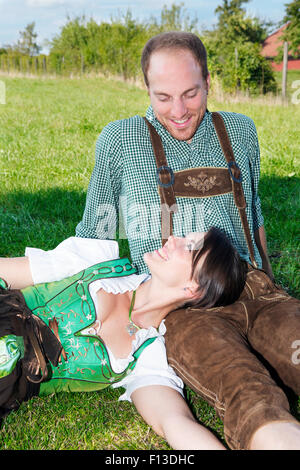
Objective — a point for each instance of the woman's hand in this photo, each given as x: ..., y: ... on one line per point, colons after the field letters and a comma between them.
x: 165, y: 410
x: 16, y: 272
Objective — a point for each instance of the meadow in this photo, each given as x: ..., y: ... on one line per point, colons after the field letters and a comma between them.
x: 48, y: 130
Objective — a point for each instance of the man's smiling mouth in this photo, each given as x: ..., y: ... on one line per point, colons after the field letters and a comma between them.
x: 180, y: 122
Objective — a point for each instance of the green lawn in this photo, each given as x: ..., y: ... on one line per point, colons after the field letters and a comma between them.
x: 48, y: 130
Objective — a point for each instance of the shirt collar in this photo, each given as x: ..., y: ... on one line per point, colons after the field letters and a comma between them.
x: 166, y: 136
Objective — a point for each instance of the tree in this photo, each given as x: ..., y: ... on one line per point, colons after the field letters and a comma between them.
x: 233, y: 48
x: 247, y: 70
x: 233, y: 24
x: 123, y: 50
x: 113, y: 47
x: 174, y: 18
x: 227, y: 11
x: 292, y: 31
x: 67, y: 51
x: 27, y: 44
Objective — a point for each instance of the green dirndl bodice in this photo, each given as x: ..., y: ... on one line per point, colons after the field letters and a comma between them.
x: 85, y: 366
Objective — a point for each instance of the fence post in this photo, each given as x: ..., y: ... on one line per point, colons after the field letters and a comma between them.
x: 82, y: 63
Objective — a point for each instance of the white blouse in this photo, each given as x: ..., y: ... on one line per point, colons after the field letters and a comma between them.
x: 75, y: 254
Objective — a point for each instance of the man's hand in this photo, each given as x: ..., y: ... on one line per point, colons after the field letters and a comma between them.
x: 261, y: 242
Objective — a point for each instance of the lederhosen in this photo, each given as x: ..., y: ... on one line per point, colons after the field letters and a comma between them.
x: 217, y: 352
x: 45, y: 345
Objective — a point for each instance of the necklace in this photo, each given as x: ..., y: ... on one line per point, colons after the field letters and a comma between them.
x: 132, y: 327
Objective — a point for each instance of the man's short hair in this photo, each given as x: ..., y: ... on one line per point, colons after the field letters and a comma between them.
x: 175, y: 40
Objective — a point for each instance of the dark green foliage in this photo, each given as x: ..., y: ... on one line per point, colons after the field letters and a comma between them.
x: 234, y: 50
x: 292, y: 32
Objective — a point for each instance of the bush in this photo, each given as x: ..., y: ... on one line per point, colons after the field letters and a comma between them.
x: 245, y: 69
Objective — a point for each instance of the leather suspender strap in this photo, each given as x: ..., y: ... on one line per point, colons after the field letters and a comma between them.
x: 236, y: 179
x: 165, y: 181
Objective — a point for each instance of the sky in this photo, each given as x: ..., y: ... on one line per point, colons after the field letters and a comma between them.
x: 50, y: 15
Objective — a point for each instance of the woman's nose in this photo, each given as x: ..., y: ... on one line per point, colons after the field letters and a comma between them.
x: 172, y: 241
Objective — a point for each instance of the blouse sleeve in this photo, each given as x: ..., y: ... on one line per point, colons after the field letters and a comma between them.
x: 152, y: 368
x: 69, y: 257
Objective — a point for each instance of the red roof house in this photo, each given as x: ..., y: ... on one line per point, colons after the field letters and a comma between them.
x: 271, y: 47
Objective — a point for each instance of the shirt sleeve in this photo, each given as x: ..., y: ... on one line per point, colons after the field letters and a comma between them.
x: 100, y: 218
x: 69, y: 257
x: 152, y: 368
x: 254, y: 159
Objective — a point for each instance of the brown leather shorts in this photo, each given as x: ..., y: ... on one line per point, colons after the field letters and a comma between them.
x: 226, y: 354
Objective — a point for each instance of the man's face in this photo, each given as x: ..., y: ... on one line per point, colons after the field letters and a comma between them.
x: 178, y: 91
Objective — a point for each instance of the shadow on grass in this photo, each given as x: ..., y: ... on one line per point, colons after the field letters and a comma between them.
x: 41, y: 219
x: 280, y: 197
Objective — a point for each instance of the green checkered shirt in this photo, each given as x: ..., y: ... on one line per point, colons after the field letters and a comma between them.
x: 124, y: 182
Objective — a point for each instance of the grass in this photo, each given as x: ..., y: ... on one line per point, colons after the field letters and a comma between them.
x: 48, y: 130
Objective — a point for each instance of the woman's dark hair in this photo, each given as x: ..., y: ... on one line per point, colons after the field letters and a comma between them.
x: 175, y: 40
x: 222, y: 275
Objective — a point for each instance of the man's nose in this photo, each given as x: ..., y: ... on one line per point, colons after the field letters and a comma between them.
x: 178, y: 108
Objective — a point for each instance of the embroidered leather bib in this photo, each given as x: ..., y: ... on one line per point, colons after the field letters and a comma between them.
x: 67, y: 308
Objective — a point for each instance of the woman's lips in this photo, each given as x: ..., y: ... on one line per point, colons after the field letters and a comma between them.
x: 162, y: 254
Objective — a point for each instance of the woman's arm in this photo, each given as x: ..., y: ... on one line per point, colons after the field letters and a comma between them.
x: 69, y: 257
x: 165, y: 410
x: 16, y: 272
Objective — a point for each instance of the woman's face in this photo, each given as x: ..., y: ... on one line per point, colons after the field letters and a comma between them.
x: 173, y: 262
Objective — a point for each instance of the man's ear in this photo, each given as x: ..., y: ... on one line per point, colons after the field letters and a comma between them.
x: 208, y: 83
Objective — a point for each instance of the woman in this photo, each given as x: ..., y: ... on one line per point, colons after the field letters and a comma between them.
x: 85, y: 326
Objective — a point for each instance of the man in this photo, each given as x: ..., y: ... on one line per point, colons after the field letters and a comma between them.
x: 209, y: 349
